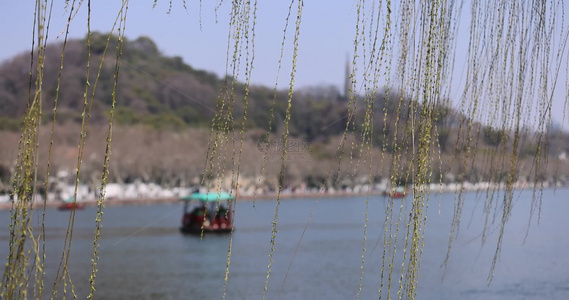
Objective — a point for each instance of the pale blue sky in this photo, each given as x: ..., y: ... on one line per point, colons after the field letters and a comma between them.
x: 327, y: 32
x: 326, y: 36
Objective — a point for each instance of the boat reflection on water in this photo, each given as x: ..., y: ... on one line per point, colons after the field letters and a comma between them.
x: 207, y: 213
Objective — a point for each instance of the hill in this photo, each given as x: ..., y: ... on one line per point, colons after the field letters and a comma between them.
x: 164, y: 110
x: 159, y: 91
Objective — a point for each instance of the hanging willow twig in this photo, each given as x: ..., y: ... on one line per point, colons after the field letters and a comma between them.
x: 285, y: 141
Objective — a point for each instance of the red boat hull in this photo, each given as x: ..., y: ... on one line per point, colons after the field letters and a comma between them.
x: 394, y: 194
x: 70, y: 206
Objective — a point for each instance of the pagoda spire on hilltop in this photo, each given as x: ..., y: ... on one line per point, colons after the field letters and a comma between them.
x: 347, y: 78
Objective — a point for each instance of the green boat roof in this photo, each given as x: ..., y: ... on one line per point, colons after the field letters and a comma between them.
x: 68, y: 200
x: 208, y: 197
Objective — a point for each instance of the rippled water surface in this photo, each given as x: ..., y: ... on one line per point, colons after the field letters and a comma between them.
x: 143, y: 255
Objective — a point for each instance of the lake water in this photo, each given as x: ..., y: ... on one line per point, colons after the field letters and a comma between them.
x: 143, y: 255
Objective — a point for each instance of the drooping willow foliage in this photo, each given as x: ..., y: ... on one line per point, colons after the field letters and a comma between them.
x: 513, y: 52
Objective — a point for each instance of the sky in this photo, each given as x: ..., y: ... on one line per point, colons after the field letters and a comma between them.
x: 194, y: 34
x: 200, y: 36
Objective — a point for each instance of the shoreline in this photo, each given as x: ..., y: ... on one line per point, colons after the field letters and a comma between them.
x: 143, y: 201
x: 265, y: 197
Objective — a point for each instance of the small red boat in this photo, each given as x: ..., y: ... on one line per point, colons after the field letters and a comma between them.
x: 69, y: 205
x: 396, y: 193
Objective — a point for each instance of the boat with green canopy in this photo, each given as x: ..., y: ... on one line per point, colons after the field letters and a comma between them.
x: 207, y: 213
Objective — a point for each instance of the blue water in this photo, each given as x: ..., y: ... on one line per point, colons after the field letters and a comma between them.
x: 143, y: 255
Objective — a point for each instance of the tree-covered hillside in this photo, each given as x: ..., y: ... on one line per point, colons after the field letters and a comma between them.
x: 165, y: 94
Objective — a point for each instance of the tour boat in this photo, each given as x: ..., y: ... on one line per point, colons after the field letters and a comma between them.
x: 207, y: 213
